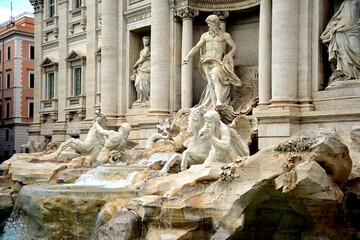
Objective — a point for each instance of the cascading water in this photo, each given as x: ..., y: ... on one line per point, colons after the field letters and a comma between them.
x: 69, y: 211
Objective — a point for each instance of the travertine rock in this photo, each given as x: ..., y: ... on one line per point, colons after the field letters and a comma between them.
x: 248, y: 202
x: 125, y: 225
x: 80, y: 162
x: 29, y: 173
x: 71, y: 175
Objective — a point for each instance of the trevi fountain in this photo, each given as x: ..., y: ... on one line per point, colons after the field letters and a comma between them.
x: 255, y: 150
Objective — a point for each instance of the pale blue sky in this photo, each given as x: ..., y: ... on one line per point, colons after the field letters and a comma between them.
x: 18, y: 6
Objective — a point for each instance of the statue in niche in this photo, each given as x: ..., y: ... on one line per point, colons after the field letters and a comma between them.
x: 215, y: 66
x: 342, y: 36
x: 198, y: 148
x: 141, y: 75
x: 115, y: 142
x: 226, y: 145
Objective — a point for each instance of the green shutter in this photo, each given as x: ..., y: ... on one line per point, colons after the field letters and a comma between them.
x: 51, y: 8
x: 78, y: 4
x: 77, y: 83
x: 51, y: 85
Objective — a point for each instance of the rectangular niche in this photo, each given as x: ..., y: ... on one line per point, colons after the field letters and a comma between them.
x: 135, y: 46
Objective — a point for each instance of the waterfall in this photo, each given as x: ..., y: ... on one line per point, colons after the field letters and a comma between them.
x: 69, y: 211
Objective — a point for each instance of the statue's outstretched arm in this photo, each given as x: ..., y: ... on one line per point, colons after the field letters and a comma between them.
x: 195, y: 49
x: 101, y: 130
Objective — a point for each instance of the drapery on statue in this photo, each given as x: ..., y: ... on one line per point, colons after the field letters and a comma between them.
x: 89, y: 146
x: 198, y: 148
x: 226, y: 145
x: 342, y: 36
x: 141, y: 74
x: 215, y: 65
x: 115, y: 141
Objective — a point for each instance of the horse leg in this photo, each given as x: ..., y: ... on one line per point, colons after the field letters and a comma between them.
x: 184, y: 161
x: 173, y: 159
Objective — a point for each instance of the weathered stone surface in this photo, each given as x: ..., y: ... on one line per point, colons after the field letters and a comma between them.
x: 173, y: 184
x: 246, y: 203
x: 309, y: 180
x: 65, y: 212
x: 125, y: 225
x: 71, y: 175
x: 80, y: 162
x: 29, y: 173
x: 4, y: 166
x: 323, y: 146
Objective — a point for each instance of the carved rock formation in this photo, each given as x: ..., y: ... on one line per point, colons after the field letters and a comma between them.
x: 288, y: 191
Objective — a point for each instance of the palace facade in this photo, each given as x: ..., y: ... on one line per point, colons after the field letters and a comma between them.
x: 86, y: 49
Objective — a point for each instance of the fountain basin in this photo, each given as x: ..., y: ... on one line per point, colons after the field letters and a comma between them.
x: 65, y: 211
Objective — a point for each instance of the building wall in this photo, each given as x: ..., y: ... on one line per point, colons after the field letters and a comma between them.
x: 18, y: 36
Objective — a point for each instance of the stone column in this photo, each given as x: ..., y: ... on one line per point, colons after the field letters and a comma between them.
x: 284, y: 52
x: 38, y: 14
x: 265, y: 53
x: 160, y: 57
x: 109, y: 59
x: 187, y: 14
x: 222, y: 15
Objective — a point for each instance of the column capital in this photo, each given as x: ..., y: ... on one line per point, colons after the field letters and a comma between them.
x: 187, y: 12
x: 222, y: 14
x: 37, y: 4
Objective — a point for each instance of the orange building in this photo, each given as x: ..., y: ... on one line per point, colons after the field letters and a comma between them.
x: 16, y: 82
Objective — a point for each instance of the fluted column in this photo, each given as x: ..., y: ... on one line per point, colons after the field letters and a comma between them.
x: 187, y: 14
x: 265, y: 52
x: 160, y: 57
x: 284, y: 52
x: 109, y: 58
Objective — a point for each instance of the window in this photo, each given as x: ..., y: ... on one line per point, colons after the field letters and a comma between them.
x: 77, y: 81
x: 32, y: 52
x: 7, y: 135
x: 31, y: 80
x: 1, y: 111
x: 8, y: 52
x: 8, y: 79
x: 77, y: 3
x: 0, y: 56
x: 7, y: 110
x: 50, y: 85
x: 51, y: 8
x: 30, y: 108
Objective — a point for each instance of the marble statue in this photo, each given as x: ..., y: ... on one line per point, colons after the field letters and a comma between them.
x: 115, y: 141
x: 342, y: 36
x: 226, y: 145
x: 163, y: 126
x: 198, y: 148
x: 141, y: 74
x: 88, y: 146
x: 216, y: 66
